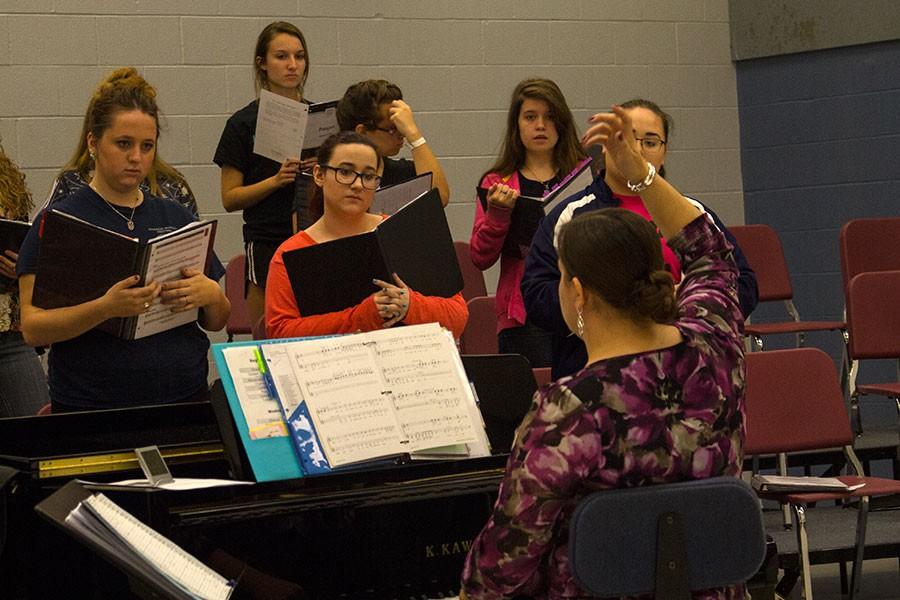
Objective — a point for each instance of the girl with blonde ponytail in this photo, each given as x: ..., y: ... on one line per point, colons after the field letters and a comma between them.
x: 162, y: 180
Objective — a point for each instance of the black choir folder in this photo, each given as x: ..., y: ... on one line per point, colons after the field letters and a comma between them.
x: 415, y: 243
x: 136, y: 549
x: 79, y: 261
x: 528, y: 211
x: 12, y: 234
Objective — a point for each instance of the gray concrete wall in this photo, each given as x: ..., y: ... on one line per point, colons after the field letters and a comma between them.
x: 773, y: 27
x: 457, y: 62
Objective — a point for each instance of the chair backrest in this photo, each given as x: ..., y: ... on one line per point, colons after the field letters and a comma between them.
x: 762, y: 247
x: 239, y: 319
x: 793, y: 402
x: 873, y: 317
x: 613, y: 536
x: 473, y: 278
x: 480, y: 334
x: 259, y: 329
x: 869, y: 245
x: 542, y: 375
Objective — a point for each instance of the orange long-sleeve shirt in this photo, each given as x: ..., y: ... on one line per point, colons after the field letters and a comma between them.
x: 283, y: 318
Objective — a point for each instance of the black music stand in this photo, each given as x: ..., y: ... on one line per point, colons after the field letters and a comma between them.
x: 505, y: 386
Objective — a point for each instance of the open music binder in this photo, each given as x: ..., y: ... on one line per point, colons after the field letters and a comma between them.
x: 136, y: 549
x: 528, y: 211
x: 79, y: 261
x: 415, y: 243
x: 319, y: 404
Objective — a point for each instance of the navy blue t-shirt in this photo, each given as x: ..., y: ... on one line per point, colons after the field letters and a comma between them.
x: 99, y: 370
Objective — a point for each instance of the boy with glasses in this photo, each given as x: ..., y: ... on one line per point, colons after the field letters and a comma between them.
x: 376, y: 110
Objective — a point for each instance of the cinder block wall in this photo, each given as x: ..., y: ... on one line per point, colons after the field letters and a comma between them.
x: 456, y: 62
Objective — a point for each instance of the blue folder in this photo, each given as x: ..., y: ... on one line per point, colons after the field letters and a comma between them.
x: 271, y: 459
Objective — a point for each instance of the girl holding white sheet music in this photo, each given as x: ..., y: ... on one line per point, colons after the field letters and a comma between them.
x: 346, y: 178
x: 539, y: 148
x: 271, y: 195
x: 89, y: 368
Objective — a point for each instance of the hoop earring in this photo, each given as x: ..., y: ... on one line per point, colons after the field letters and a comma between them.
x: 579, y: 324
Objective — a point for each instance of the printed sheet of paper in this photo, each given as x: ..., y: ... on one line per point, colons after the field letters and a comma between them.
x: 262, y: 413
x: 382, y: 393
x: 280, y: 127
x: 321, y: 123
x: 392, y: 198
x: 168, y: 257
x: 296, y: 414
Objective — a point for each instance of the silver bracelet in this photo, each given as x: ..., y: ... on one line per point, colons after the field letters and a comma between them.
x: 640, y: 186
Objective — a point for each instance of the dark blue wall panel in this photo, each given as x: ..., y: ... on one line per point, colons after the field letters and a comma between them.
x: 820, y: 145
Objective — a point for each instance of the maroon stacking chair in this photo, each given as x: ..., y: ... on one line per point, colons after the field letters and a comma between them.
x: 480, y: 334
x: 239, y: 320
x: 868, y: 245
x: 873, y: 321
x: 762, y: 247
x: 473, y: 278
x: 794, y: 403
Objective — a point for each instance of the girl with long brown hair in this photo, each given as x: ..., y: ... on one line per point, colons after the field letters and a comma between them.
x: 539, y: 148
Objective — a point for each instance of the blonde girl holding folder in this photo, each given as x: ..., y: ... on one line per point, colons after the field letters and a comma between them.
x: 88, y: 368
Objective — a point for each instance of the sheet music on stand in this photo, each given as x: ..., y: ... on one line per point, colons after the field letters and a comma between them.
x: 103, y: 522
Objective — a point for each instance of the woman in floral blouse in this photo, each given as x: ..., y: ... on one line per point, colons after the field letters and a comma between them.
x: 660, y: 399
x: 23, y: 386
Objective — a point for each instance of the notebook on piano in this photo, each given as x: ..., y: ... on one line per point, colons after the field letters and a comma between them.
x: 320, y: 404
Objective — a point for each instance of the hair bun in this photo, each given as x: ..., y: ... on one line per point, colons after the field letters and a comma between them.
x: 654, y: 297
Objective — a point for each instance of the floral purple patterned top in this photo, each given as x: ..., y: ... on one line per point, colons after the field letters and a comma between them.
x: 660, y: 416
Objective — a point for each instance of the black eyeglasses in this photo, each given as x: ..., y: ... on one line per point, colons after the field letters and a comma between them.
x: 370, y: 181
x: 651, y: 144
x: 389, y: 131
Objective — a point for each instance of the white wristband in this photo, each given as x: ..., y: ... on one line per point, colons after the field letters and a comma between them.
x: 416, y: 143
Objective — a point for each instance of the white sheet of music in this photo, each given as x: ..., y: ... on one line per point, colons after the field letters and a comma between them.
x: 168, y: 257
x: 386, y: 392
x: 261, y: 411
x: 162, y: 554
x: 280, y: 127
x: 389, y: 200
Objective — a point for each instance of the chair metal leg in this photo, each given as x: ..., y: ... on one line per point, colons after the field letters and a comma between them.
x: 785, y: 509
x: 855, y: 414
x: 845, y: 363
x: 861, y: 521
x: 803, y: 551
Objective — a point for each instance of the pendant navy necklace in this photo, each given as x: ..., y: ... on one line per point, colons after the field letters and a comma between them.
x: 129, y: 220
